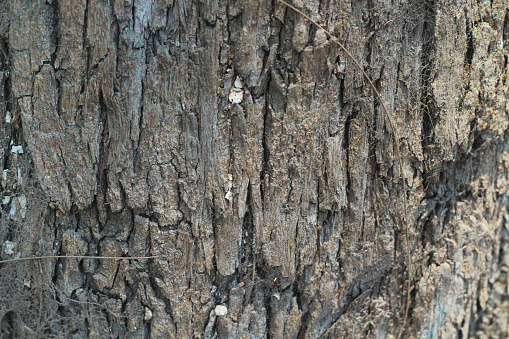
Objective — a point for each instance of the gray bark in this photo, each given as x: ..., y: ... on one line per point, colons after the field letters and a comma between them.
x: 238, y: 143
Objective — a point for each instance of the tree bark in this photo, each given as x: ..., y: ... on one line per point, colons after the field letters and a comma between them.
x: 235, y: 141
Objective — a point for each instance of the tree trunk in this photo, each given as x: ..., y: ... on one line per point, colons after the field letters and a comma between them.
x: 238, y: 143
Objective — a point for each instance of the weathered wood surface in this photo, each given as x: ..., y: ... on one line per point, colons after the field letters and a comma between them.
x: 237, y: 142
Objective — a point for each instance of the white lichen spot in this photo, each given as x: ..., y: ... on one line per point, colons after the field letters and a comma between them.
x: 228, y: 195
x: 8, y: 117
x: 12, y: 212
x: 342, y: 66
x: 148, y: 314
x: 6, y: 199
x: 17, y: 149
x: 236, y: 97
x: 221, y: 310
x: 236, y: 92
x: 22, y: 201
x: 9, y: 247
x: 23, y: 206
x: 238, y: 83
x: 230, y: 182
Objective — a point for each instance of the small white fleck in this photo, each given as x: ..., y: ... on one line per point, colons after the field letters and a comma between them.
x: 17, y: 149
x: 6, y: 199
x: 9, y: 247
x: 236, y: 96
x: 22, y: 201
x: 342, y: 66
x: 277, y: 296
x: 148, y: 314
x: 23, y: 213
x: 23, y: 204
x: 8, y: 118
x: 221, y: 310
x: 228, y: 195
x: 238, y: 83
x: 5, y: 174
x: 12, y: 212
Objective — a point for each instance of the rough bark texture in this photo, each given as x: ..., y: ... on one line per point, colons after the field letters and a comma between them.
x: 237, y: 142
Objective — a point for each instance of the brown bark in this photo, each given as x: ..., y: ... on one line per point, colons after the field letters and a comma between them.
x: 237, y: 142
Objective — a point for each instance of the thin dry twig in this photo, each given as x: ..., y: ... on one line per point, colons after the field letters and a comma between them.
x: 75, y: 257
x: 396, y: 146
